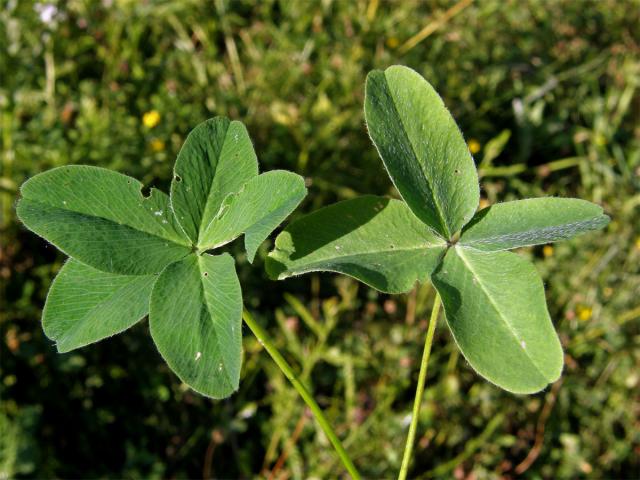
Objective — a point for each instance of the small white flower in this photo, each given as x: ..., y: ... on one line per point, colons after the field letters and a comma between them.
x: 46, y: 12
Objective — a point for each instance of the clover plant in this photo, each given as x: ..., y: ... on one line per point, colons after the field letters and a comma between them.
x: 133, y: 255
x: 493, y: 299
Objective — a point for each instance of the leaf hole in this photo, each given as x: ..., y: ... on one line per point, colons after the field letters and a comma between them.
x: 177, y: 178
x: 146, y: 191
x: 205, y: 274
x: 456, y: 171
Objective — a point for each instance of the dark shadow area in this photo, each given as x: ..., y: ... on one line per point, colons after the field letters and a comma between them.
x: 480, y: 214
x: 451, y: 297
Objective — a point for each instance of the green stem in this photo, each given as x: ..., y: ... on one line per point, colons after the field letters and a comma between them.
x: 262, y: 337
x: 408, y: 449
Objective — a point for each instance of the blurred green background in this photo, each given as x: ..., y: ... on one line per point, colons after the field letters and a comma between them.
x: 546, y: 93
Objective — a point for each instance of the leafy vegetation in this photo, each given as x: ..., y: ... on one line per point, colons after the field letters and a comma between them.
x: 146, y: 255
x: 493, y: 300
x: 546, y: 95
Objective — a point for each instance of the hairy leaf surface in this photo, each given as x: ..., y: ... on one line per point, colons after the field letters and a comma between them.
x: 195, y: 320
x: 374, y: 239
x: 216, y: 160
x: 85, y: 305
x: 495, y: 306
x: 101, y: 218
x: 262, y: 204
x: 422, y: 148
x: 531, y: 222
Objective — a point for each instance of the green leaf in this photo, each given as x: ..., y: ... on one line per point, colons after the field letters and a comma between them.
x: 376, y: 240
x: 262, y: 204
x: 196, y: 320
x: 422, y: 148
x: 495, y: 306
x: 86, y: 305
x: 494, y: 148
x: 531, y: 222
x: 216, y: 160
x: 101, y: 218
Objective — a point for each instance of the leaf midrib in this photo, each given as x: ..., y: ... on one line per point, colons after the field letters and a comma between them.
x: 361, y: 254
x: 459, y: 252
x: 201, y: 227
x: 227, y: 376
x: 110, y: 220
x: 108, y: 207
x: 524, y: 234
x: 124, y: 288
x: 282, y: 206
x: 436, y: 197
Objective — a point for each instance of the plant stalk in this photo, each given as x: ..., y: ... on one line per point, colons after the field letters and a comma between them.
x: 264, y: 340
x: 422, y: 376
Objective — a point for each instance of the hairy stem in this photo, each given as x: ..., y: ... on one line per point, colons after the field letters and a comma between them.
x: 408, y: 449
x: 262, y: 337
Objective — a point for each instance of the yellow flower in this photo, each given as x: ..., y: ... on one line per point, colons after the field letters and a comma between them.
x: 151, y: 119
x: 600, y: 140
x: 547, y: 250
x: 474, y: 146
x: 157, y: 145
x: 392, y: 42
x: 584, y: 313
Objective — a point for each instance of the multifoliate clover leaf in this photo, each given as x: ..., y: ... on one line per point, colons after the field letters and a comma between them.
x: 493, y: 300
x: 133, y: 255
